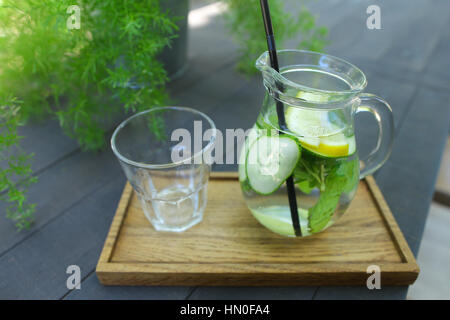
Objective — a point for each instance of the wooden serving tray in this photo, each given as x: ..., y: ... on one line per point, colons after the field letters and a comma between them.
x: 229, y: 247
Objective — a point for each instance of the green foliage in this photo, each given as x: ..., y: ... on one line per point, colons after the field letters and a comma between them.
x: 245, y: 23
x: 340, y: 179
x: 15, y: 171
x: 332, y: 177
x: 83, y: 76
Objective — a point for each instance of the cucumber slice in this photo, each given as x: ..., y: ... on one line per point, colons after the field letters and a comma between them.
x: 270, y: 161
x: 251, y: 137
x: 278, y: 219
x: 241, y: 170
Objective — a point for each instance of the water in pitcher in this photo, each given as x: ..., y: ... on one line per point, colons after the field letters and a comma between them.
x: 318, y: 149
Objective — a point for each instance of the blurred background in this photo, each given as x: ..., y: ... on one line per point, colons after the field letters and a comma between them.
x: 70, y: 73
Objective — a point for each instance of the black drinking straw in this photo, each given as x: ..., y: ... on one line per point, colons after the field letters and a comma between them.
x: 280, y: 111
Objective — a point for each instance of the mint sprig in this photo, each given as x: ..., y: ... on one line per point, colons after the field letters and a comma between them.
x: 333, y: 178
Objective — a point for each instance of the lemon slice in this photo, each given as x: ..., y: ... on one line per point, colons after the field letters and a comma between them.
x: 317, y: 134
x: 333, y: 146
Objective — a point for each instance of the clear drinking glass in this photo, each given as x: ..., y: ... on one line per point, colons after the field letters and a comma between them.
x: 317, y: 97
x: 162, y: 152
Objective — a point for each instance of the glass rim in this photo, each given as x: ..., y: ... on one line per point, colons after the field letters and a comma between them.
x: 263, y: 65
x: 165, y: 165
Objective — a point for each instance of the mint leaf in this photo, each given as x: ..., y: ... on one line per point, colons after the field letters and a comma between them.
x: 306, y: 176
x: 350, y: 170
x: 332, y: 177
x: 305, y: 186
x: 341, y: 178
x: 321, y: 213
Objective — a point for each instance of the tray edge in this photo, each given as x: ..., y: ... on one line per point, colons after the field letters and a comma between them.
x: 114, y: 229
x: 394, y: 229
x: 109, y: 274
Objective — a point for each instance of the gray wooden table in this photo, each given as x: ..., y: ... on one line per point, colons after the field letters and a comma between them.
x: 406, y: 62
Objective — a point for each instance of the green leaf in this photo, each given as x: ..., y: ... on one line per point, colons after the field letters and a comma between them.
x: 342, y: 177
x: 305, y: 186
x: 15, y: 176
x: 82, y: 76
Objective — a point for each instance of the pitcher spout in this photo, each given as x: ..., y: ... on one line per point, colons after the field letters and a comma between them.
x: 263, y: 62
x: 310, y: 77
x: 270, y: 75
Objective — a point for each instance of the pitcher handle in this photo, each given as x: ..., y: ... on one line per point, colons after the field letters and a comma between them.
x: 383, y: 114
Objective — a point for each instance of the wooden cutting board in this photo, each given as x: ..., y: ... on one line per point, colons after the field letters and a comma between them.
x: 229, y: 247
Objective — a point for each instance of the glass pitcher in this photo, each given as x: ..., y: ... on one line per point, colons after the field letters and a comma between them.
x: 305, y: 133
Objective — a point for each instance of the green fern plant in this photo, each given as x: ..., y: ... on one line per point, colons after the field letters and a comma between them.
x: 84, y: 76
x: 15, y: 170
x: 245, y: 24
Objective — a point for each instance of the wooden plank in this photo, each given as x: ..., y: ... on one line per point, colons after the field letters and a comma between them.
x: 60, y: 188
x: 407, y: 179
x: 397, y: 93
x: 92, y: 289
x: 442, y: 193
x: 347, y: 31
x: 36, y: 268
x: 252, y: 293
x: 47, y: 141
x: 230, y: 248
x: 332, y: 14
x: 394, y: 230
x: 396, y: 18
x: 438, y: 65
x: 411, y: 53
x: 361, y: 293
x: 211, y: 49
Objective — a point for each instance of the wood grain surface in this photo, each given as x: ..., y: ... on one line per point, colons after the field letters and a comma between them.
x: 229, y: 247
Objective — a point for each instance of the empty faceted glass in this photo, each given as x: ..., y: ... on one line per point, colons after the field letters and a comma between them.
x: 162, y: 151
